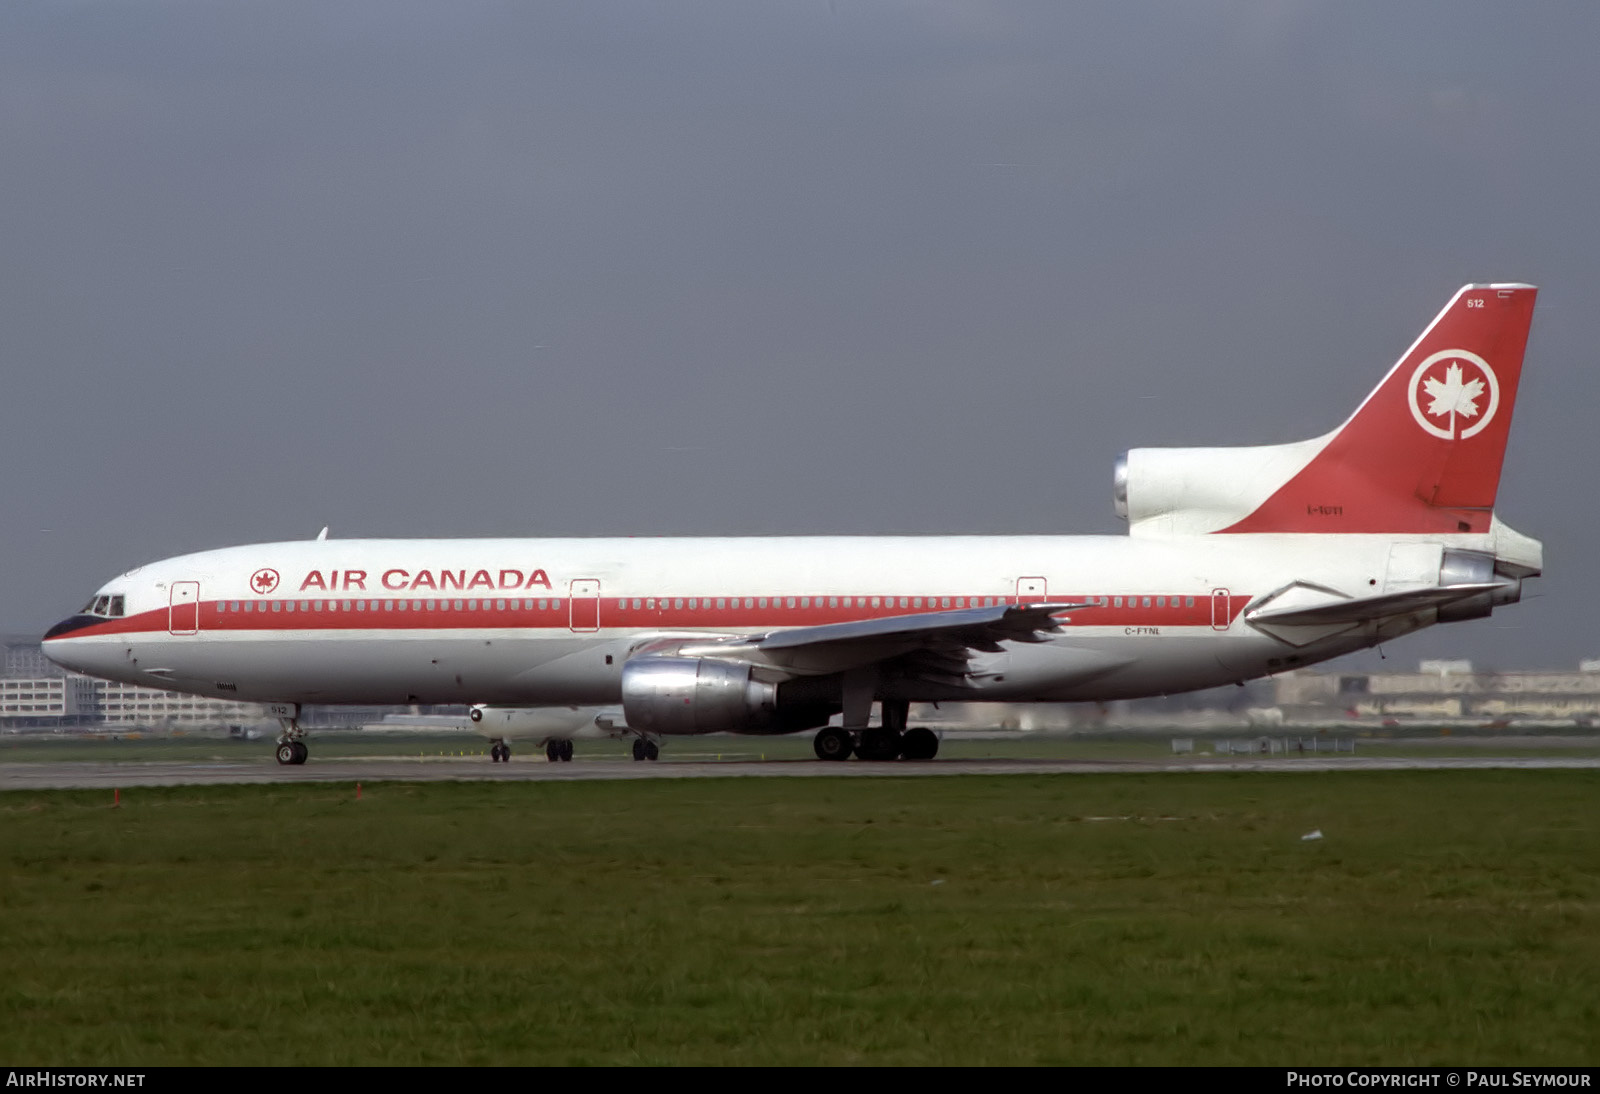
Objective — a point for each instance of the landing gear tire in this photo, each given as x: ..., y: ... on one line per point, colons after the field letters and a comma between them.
x: 879, y: 745
x: 651, y: 752
x: 300, y: 752
x: 286, y: 753
x: 833, y: 743
x: 638, y: 749
x: 566, y: 752
x: 919, y: 744
x: 552, y: 751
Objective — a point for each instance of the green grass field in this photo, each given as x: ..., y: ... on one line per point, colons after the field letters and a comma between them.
x: 1446, y: 917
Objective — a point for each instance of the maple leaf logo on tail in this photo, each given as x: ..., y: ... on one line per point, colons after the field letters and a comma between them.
x: 1465, y: 404
x: 1452, y: 396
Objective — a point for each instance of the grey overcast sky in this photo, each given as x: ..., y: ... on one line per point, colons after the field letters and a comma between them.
x: 688, y: 268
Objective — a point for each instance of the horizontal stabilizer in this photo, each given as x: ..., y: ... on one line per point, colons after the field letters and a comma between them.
x: 1362, y: 609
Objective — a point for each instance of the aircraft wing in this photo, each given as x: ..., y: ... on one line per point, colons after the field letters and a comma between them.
x: 1362, y: 609
x: 975, y: 628
x: 833, y: 647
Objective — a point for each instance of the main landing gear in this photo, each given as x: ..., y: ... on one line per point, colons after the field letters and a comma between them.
x: 499, y: 753
x: 558, y: 751
x: 878, y: 745
x: 645, y: 749
x: 890, y: 741
x: 292, y: 749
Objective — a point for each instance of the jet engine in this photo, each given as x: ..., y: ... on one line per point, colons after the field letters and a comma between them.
x: 1476, y: 568
x: 696, y: 695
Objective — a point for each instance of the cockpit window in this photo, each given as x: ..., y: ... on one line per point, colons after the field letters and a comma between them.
x: 116, y: 607
x: 110, y: 607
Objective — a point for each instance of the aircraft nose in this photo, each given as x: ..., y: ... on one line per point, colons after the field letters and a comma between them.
x: 59, y: 648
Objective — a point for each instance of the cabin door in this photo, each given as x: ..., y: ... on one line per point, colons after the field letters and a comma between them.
x: 183, y: 613
x: 585, y: 605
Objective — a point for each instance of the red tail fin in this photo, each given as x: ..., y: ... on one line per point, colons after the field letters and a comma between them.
x: 1423, y: 452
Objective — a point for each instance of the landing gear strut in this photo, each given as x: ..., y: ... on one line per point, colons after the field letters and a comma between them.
x: 291, y: 749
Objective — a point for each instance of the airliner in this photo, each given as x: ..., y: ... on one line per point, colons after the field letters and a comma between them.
x: 1238, y: 562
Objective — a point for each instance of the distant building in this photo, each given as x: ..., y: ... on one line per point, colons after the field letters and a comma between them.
x: 1442, y: 692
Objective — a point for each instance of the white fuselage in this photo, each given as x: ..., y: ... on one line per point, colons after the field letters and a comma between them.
x: 531, y: 621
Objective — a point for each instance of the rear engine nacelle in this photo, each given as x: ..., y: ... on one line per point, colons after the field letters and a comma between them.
x: 696, y: 695
x: 1476, y: 568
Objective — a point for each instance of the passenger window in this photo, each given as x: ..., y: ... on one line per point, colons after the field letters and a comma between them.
x: 694, y: 603
x: 555, y: 605
x: 805, y: 602
x: 944, y: 602
x: 1188, y: 602
x: 762, y: 602
x: 1161, y: 602
x: 472, y: 605
x: 916, y: 602
x: 1146, y: 602
x: 1117, y: 603
x: 277, y: 605
x: 721, y: 603
x: 791, y: 602
x: 458, y: 605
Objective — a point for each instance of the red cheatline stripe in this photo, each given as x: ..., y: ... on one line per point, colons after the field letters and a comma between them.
x: 557, y: 613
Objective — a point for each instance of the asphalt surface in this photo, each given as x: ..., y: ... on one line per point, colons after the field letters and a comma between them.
x: 86, y: 774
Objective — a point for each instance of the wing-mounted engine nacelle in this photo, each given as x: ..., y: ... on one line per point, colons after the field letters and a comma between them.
x: 696, y: 695
x: 1475, y: 568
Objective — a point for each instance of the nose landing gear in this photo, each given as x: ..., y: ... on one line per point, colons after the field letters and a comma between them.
x: 291, y: 749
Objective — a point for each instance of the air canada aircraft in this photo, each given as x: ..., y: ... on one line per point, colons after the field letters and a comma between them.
x: 1238, y: 563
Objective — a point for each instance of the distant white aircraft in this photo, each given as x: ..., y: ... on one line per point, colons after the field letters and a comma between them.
x: 1238, y: 563
x: 554, y: 728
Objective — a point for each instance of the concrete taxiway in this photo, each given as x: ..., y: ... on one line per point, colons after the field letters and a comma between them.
x: 89, y: 774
